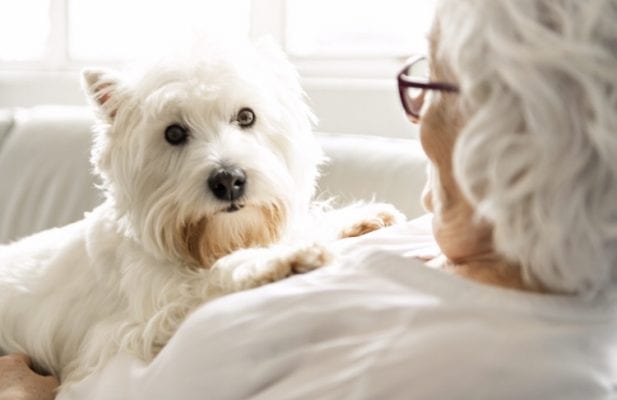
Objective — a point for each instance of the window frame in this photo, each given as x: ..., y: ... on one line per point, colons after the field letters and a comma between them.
x: 55, y: 57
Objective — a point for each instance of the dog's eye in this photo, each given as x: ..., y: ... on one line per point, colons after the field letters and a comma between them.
x: 176, y: 134
x: 245, y: 117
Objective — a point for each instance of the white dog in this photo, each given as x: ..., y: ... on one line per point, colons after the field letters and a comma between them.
x: 208, y: 166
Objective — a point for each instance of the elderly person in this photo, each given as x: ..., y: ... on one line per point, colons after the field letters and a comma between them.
x: 518, y: 118
x: 523, y: 146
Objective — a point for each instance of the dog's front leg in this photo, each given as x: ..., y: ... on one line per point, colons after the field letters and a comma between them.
x: 250, y: 268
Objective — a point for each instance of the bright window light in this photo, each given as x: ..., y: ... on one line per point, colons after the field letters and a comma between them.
x: 24, y: 29
x: 121, y: 30
x: 365, y: 28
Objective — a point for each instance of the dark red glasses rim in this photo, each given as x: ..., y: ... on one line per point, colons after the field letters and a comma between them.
x: 405, y: 81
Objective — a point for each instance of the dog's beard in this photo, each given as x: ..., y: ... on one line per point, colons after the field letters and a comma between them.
x: 201, y: 240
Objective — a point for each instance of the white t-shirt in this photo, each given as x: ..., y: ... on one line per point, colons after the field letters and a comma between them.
x: 378, y: 324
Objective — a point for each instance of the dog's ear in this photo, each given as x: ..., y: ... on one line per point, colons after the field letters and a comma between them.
x: 103, y: 88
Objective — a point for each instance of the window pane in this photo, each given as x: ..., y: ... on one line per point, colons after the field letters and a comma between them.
x: 358, y: 27
x: 24, y: 28
x: 120, y: 29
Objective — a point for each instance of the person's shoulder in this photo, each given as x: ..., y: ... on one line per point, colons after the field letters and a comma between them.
x: 384, y: 310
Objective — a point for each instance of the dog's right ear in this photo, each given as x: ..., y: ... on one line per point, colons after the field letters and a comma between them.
x: 103, y: 89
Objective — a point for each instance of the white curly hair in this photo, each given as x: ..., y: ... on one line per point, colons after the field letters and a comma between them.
x: 537, y: 156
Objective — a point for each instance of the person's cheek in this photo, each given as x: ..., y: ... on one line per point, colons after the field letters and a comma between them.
x: 427, y: 193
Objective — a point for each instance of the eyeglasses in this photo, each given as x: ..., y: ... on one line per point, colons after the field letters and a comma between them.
x: 413, y: 82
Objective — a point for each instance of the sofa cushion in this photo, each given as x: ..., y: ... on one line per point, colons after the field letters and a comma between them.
x: 45, y: 177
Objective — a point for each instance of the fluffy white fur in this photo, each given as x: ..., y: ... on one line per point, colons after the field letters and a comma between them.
x: 124, y: 277
x: 538, y: 154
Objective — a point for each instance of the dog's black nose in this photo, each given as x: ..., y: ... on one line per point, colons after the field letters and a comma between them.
x: 227, y: 184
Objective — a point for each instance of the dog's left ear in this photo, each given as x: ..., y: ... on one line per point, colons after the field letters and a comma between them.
x: 104, y: 90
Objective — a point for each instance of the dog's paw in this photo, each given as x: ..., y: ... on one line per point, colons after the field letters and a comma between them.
x: 255, y: 267
x: 371, y: 217
x: 307, y: 258
x: 297, y: 260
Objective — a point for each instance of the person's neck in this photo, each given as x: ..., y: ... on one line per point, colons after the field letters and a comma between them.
x: 489, y: 269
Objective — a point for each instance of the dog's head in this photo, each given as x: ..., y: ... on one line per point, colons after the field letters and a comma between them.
x: 205, y: 152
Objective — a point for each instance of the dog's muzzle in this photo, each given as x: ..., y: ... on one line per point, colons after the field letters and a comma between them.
x: 227, y: 184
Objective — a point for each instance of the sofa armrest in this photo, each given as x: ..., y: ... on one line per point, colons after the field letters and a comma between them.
x: 7, y: 118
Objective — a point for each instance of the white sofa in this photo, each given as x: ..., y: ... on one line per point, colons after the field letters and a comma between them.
x: 46, y: 180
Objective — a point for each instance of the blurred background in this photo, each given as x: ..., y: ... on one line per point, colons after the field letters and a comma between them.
x: 347, y: 51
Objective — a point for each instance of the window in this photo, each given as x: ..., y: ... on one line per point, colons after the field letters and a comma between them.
x: 67, y: 33
x: 357, y: 28
x: 120, y: 29
x: 24, y: 30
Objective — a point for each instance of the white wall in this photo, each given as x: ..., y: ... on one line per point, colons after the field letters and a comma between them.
x: 360, y: 106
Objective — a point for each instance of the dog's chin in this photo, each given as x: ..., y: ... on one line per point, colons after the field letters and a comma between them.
x: 231, y: 227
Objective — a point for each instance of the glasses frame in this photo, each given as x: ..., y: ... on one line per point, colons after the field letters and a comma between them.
x: 405, y: 81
